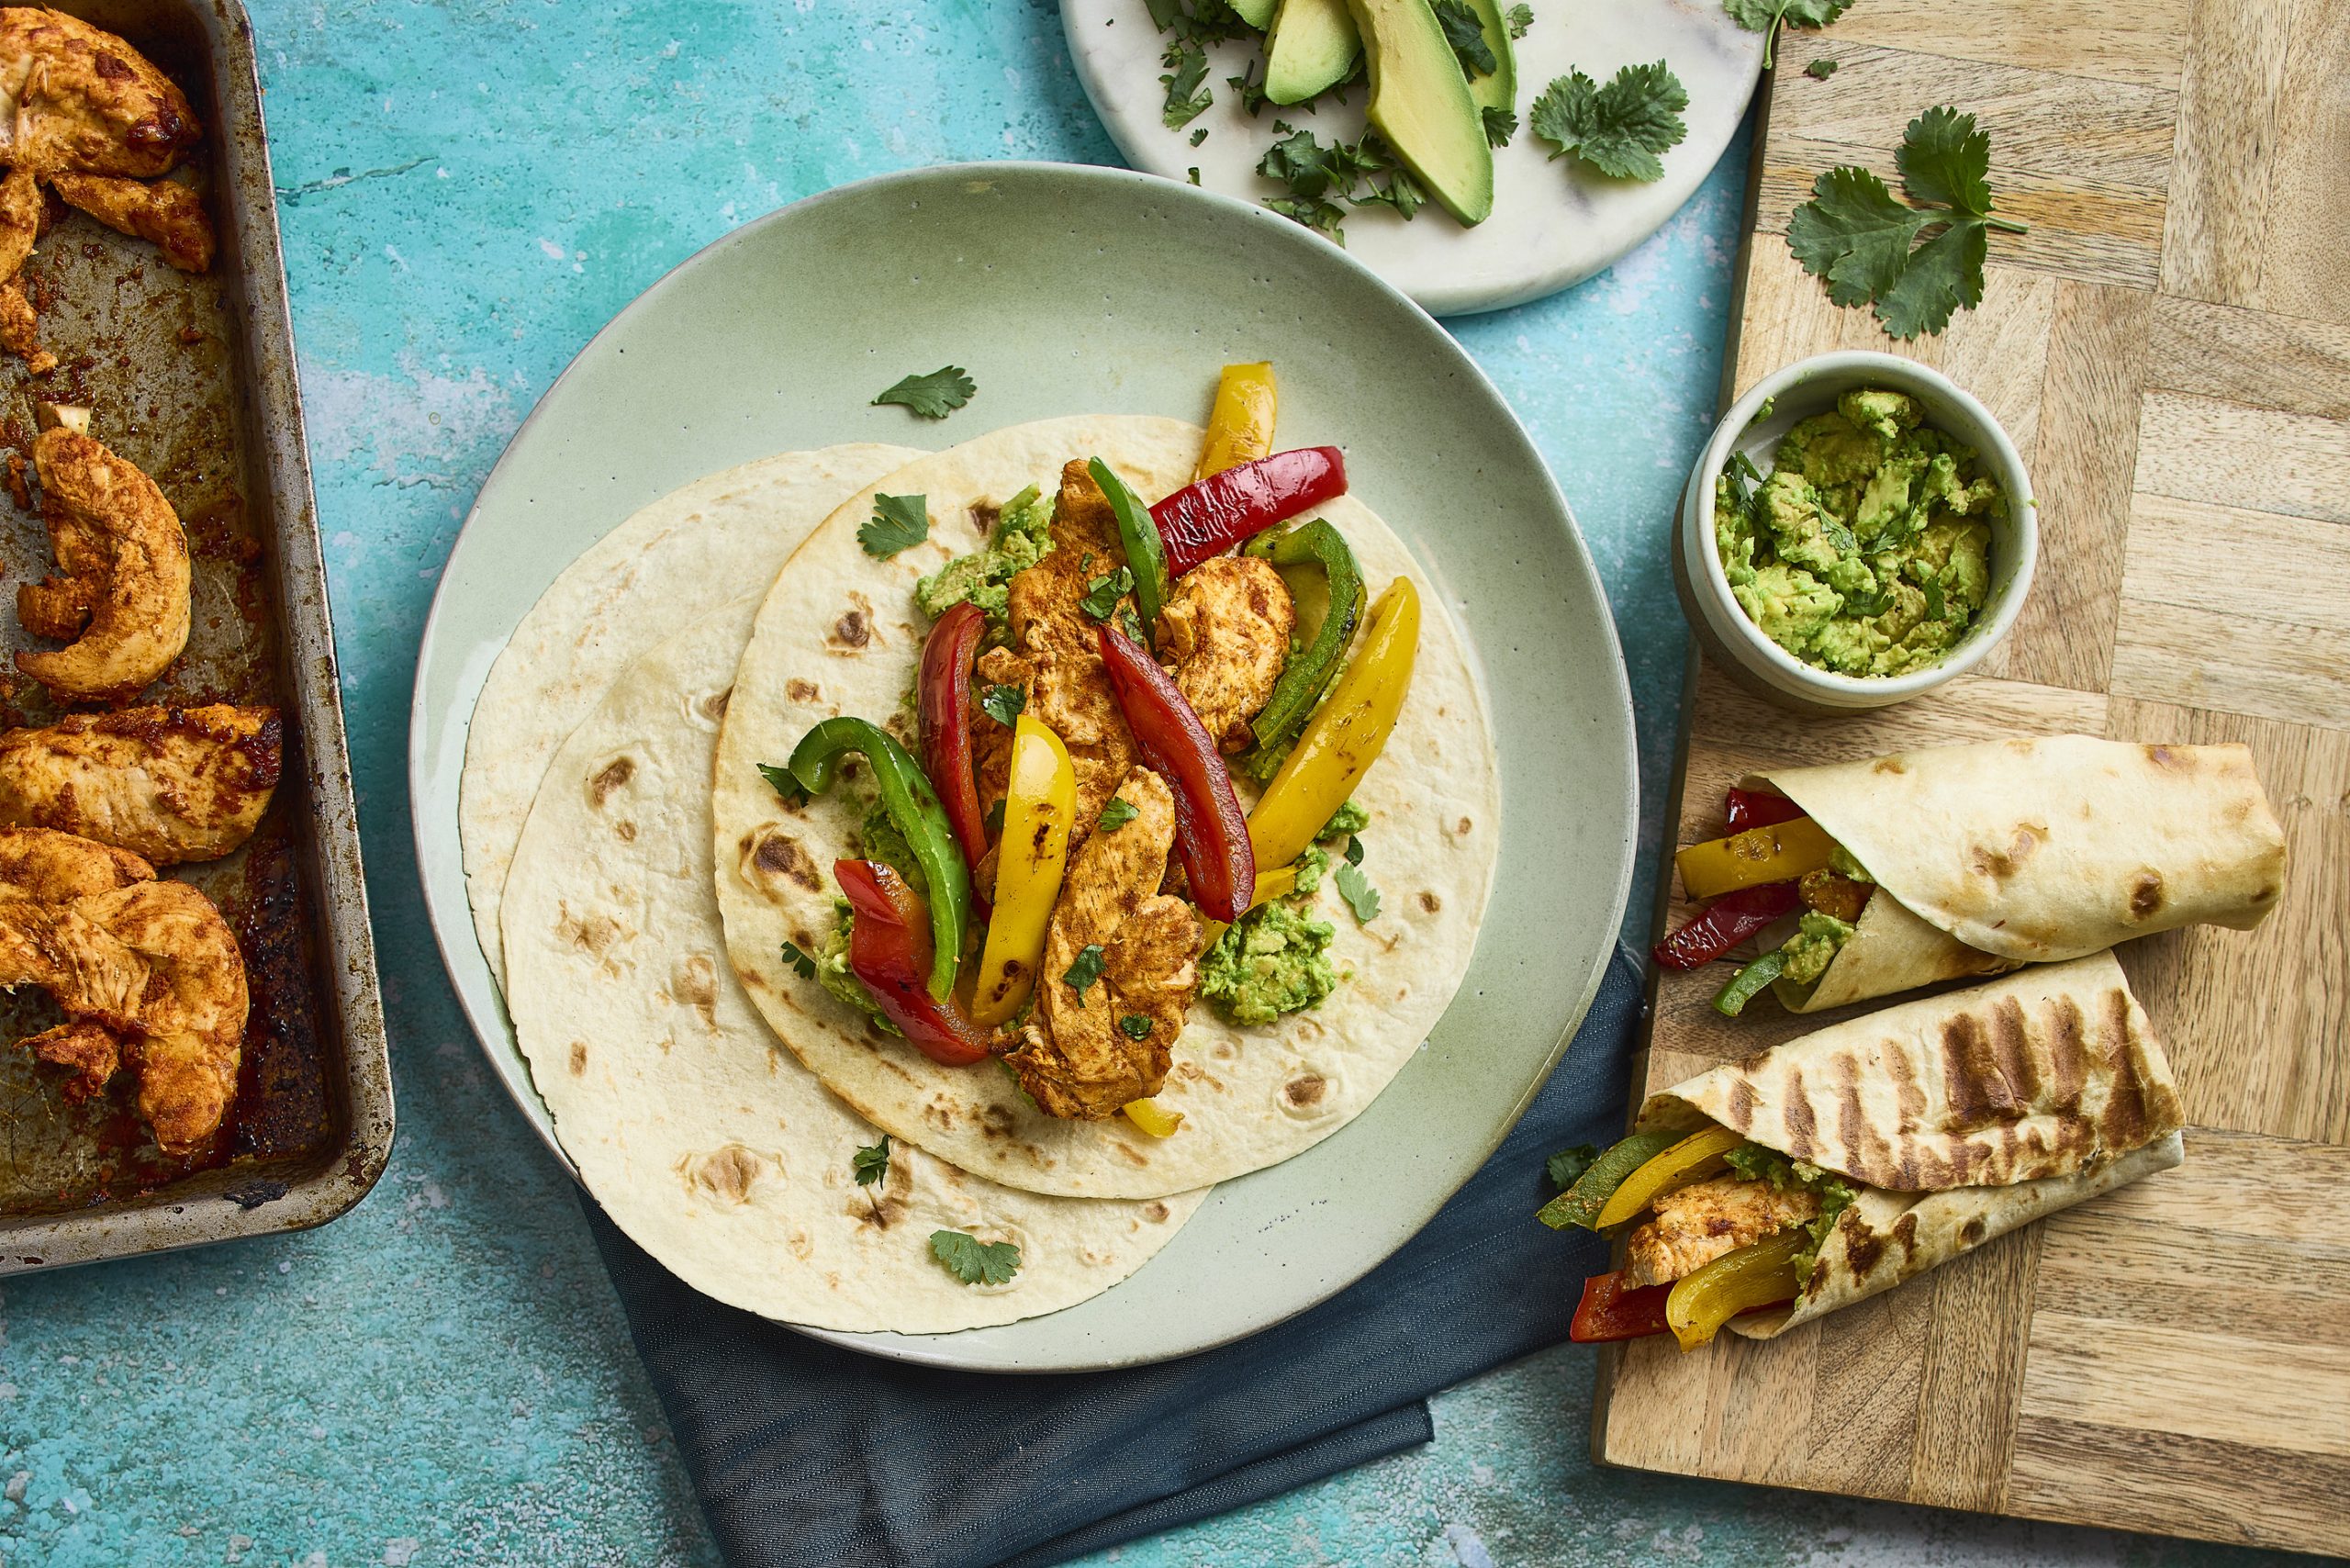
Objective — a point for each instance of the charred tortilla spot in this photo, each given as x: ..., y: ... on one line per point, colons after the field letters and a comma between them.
x: 713, y: 707
x: 2175, y: 758
x: 1905, y: 1231
x: 2068, y: 1056
x: 578, y: 1058
x: 2125, y: 1124
x: 1463, y: 829
x: 1156, y: 1212
x: 1971, y: 1234
x: 800, y: 690
x: 1864, y: 1248
x: 2146, y: 894
x: 626, y: 832
x: 591, y: 934
x: 2012, y: 1050
x: 1741, y: 1106
x: 984, y: 516
x: 724, y: 1173
x: 1803, y: 1131
x: 696, y: 985
x: 1890, y: 765
x: 1305, y: 1090
x: 610, y: 776
x: 2001, y: 864
x: 770, y: 853
x: 2261, y: 895
x: 995, y: 1121
x: 1430, y: 902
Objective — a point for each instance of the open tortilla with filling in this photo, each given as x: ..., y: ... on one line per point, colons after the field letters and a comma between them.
x: 2033, y: 851
x: 706, y: 1142
x: 671, y: 561
x: 841, y: 633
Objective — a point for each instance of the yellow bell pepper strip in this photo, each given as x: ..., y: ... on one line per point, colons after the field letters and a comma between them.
x: 1240, y: 427
x: 1760, y: 1275
x: 1346, y: 734
x: 1779, y: 853
x: 1038, y: 809
x: 1693, y: 1158
x: 1153, y: 1117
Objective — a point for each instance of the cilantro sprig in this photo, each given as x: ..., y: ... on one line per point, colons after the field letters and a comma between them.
x: 1859, y: 237
x: 1116, y: 813
x: 1767, y: 17
x: 796, y: 958
x: 973, y: 1262
x: 1466, y: 34
x: 1003, y: 703
x: 871, y: 1162
x: 898, y: 523
x: 1619, y: 130
x: 1084, y: 970
x: 1360, y: 896
x: 934, y: 395
x: 1566, y: 1167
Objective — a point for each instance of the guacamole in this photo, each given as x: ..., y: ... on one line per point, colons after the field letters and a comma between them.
x: 1867, y: 550
x: 1019, y: 541
x: 1273, y: 960
x: 833, y: 971
x: 1813, y: 947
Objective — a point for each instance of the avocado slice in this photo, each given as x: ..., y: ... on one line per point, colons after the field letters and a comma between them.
x: 1499, y: 89
x: 1258, y: 13
x: 1420, y: 103
x: 1312, y: 45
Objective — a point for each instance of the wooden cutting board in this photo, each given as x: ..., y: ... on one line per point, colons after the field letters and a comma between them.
x: 2170, y: 348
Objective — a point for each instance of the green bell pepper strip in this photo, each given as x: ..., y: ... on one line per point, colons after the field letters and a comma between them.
x: 1307, y: 674
x: 914, y: 809
x: 1749, y: 982
x: 1146, y: 551
x: 1581, y: 1203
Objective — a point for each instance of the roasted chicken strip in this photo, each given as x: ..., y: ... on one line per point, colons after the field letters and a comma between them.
x: 1084, y: 1054
x: 166, y: 215
x: 1700, y: 1222
x: 76, y: 98
x: 121, y: 592
x: 1225, y: 633
x: 168, y: 784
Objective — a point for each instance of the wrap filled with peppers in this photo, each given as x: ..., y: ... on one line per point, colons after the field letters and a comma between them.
x: 1106, y: 810
x: 1867, y: 879
x: 1767, y: 1192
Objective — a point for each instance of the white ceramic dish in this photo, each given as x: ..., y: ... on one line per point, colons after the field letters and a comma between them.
x: 1800, y: 390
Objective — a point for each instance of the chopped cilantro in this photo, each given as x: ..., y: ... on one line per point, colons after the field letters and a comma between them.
x: 1519, y: 18
x: 1466, y: 34
x: 1360, y: 896
x: 1354, y: 851
x: 1821, y: 69
x: 1101, y: 595
x: 1135, y: 1026
x: 784, y: 782
x: 1003, y: 703
x: 800, y: 962
x: 1319, y: 178
x: 1085, y: 971
x: 1567, y: 1166
x: 1188, y: 94
x: 933, y: 397
x: 871, y: 1162
x: 1116, y: 814
x: 1500, y: 125
x: 897, y: 521
x: 974, y: 1261
x: 1619, y: 130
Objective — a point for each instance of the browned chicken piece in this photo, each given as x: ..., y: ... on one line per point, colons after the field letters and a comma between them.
x: 1074, y: 1056
x: 21, y: 210
x: 121, y: 593
x: 1225, y: 632
x: 168, y: 784
x: 1698, y: 1223
x: 1832, y: 893
x: 165, y: 213
x: 76, y: 98
x: 1057, y: 642
x: 148, y: 973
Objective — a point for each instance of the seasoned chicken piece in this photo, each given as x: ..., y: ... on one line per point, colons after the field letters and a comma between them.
x: 20, y: 330
x: 76, y: 98
x: 148, y: 973
x: 168, y: 784
x: 1226, y: 633
x: 21, y: 210
x: 1056, y: 642
x: 1830, y: 893
x: 1700, y: 1222
x: 166, y: 215
x: 121, y: 588
x: 1077, y: 1056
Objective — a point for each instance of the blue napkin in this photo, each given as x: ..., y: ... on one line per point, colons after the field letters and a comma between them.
x: 804, y: 1453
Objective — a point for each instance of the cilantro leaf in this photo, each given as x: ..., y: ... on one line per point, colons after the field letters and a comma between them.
x: 973, y: 1262
x: 1466, y: 34
x: 1085, y: 971
x: 1945, y: 274
x: 800, y: 962
x: 1946, y: 162
x: 1199, y: 136
x: 1360, y: 896
x: 1619, y: 130
x: 784, y: 782
x: 1188, y: 94
x: 871, y: 1162
x: 1003, y: 703
x: 1519, y: 18
x: 1116, y: 814
x: 1853, y: 234
x: 1821, y: 69
x: 1500, y: 125
x: 1320, y: 177
x: 933, y: 397
x: 1567, y: 1166
x: 1135, y: 1026
x: 1767, y: 17
x: 1354, y: 851
x: 1102, y: 593
x: 897, y: 521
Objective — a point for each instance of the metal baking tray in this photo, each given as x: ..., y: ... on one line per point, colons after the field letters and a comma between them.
x: 193, y: 379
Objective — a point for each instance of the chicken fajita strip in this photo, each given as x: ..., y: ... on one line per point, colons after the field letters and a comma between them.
x: 167, y: 784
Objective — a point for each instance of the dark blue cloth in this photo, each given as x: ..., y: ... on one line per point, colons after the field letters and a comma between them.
x: 804, y: 1453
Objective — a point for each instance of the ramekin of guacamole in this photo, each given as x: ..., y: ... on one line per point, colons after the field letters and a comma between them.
x: 1866, y: 551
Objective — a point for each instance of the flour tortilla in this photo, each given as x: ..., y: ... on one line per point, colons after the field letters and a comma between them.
x: 707, y: 1143
x: 675, y: 560
x: 840, y: 633
x: 2033, y: 852
x: 1964, y: 1117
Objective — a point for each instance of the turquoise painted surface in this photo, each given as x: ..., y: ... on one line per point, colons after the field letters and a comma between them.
x: 470, y: 189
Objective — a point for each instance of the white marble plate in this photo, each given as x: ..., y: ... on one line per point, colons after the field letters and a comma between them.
x: 1553, y: 223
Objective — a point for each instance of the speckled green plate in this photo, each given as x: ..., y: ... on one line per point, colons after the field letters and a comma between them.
x: 1065, y: 290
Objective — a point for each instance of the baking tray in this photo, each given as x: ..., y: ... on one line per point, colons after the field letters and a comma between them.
x: 193, y: 379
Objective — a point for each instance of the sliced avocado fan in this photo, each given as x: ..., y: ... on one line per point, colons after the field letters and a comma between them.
x: 1421, y: 104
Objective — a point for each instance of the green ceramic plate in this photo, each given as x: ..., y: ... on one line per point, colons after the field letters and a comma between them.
x: 1066, y: 290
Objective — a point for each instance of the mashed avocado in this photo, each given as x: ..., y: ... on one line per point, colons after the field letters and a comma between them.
x: 1867, y: 550
x: 833, y: 971
x: 1019, y: 541
x: 1273, y: 960
x: 1813, y: 947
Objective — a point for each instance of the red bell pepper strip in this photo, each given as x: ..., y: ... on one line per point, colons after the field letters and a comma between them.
x: 1225, y: 510
x: 944, y: 708
x: 1759, y: 808
x: 888, y: 949
x: 1731, y: 919
x: 1612, y: 1310
x: 1210, y: 833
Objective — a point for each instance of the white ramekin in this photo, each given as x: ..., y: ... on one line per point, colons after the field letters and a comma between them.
x: 1806, y: 387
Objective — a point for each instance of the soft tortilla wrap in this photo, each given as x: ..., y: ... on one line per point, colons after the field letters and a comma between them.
x: 1962, y: 1116
x: 841, y: 633
x: 673, y: 561
x: 2034, y: 851
x: 705, y: 1141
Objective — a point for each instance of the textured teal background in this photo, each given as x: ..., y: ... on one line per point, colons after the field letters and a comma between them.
x: 468, y: 190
